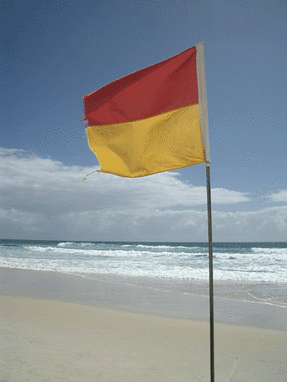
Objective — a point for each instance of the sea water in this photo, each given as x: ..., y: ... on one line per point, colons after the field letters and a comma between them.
x: 248, y: 271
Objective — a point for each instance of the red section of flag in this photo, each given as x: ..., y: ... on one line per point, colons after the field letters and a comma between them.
x: 159, y: 88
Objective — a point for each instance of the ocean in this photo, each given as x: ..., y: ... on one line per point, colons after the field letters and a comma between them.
x: 245, y: 271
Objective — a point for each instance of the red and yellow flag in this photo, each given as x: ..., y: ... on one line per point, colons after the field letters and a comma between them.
x: 152, y: 120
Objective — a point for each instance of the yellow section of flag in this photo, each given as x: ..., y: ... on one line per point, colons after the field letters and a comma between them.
x: 164, y: 142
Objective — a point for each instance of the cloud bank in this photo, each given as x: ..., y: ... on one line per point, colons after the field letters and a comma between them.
x: 43, y: 199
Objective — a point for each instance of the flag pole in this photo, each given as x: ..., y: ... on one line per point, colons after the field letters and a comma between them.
x: 200, y: 65
x: 211, y: 304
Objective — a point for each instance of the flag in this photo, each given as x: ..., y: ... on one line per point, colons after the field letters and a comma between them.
x: 152, y: 120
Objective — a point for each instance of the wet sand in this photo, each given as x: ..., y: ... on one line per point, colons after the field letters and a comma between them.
x: 44, y: 338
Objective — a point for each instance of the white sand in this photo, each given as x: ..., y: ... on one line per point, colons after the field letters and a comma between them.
x: 44, y: 340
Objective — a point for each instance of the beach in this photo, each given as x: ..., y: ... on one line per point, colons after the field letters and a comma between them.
x: 62, y: 327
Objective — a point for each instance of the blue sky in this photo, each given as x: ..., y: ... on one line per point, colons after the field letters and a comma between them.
x: 55, y: 52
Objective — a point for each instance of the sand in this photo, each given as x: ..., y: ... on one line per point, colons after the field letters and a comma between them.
x: 48, y: 340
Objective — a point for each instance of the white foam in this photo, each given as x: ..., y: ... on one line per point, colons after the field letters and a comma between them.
x: 64, y: 244
x: 164, y: 247
x: 162, y: 261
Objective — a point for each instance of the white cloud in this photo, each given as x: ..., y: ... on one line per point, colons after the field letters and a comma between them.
x: 267, y: 224
x: 280, y: 196
x: 43, y: 199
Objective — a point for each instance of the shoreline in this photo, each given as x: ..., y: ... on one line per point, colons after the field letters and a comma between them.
x: 159, y: 297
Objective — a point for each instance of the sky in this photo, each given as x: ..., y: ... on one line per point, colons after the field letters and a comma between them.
x: 54, y: 52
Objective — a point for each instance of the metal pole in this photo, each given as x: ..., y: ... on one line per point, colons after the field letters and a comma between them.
x: 211, y: 305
